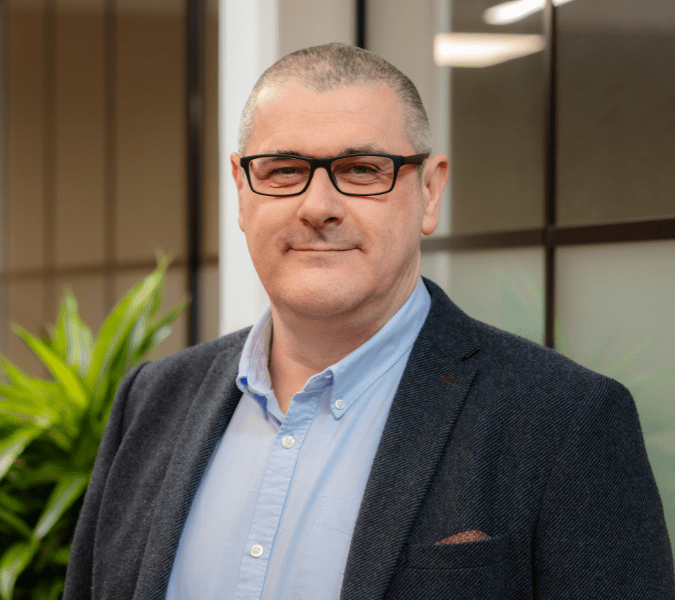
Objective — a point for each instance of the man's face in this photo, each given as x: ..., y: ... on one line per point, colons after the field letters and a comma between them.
x: 323, y: 254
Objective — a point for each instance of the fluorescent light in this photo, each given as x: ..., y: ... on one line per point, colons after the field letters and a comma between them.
x: 483, y: 49
x: 515, y: 10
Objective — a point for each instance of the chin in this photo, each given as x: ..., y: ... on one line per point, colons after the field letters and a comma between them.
x: 319, y: 297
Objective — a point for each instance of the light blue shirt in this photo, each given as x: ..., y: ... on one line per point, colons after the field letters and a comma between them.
x: 274, y: 513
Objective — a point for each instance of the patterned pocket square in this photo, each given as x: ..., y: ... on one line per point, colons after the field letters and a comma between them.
x: 465, y: 536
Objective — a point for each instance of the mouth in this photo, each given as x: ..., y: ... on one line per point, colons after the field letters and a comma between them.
x: 322, y: 249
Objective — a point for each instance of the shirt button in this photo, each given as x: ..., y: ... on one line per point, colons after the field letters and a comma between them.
x: 256, y: 550
x: 339, y: 404
x: 288, y: 441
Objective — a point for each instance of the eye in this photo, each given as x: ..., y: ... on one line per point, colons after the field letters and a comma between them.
x: 284, y: 171
x: 361, y: 169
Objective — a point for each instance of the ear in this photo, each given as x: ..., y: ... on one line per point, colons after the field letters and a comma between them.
x: 238, y: 176
x: 434, y: 180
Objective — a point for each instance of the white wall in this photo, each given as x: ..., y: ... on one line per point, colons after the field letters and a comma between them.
x: 253, y: 35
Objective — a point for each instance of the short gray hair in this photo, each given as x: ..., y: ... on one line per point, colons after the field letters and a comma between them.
x: 335, y: 66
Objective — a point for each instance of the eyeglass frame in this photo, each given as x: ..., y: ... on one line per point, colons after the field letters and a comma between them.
x: 315, y: 163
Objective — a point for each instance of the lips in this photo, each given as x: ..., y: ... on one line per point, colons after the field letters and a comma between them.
x: 321, y: 249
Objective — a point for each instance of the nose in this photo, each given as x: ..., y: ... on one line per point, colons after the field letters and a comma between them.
x: 321, y: 204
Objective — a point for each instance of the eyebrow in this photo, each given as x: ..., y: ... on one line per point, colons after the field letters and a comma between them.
x: 365, y: 149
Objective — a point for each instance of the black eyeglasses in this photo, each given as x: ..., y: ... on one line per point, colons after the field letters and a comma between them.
x: 352, y: 175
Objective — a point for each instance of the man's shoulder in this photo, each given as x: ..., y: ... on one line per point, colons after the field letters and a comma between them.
x: 171, y: 384
x: 526, y: 376
x: 512, y: 352
x: 181, y: 374
x: 198, y: 358
x: 512, y: 366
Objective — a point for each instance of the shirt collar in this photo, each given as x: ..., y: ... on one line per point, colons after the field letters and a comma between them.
x: 254, y: 377
x: 351, y: 376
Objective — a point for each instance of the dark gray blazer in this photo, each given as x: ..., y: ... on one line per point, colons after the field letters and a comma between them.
x: 487, y: 432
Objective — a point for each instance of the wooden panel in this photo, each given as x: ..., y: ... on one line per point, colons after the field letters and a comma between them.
x: 25, y: 309
x: 26, y: 139
x: 80, y: 119
x: 151, y: 177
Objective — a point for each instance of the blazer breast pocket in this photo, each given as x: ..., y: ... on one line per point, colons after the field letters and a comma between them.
x: 467, y: 571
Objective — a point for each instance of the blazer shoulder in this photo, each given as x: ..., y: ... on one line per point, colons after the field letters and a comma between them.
x: 510, y: 367
x: 169, y: 382
x: 511, y: 358
x: 197, y: 358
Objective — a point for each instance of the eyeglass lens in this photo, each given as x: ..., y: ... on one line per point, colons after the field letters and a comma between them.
x: 360, y: 175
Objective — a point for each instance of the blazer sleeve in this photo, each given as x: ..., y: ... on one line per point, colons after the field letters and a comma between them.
x: 601, y: 531
x: 81, y: 559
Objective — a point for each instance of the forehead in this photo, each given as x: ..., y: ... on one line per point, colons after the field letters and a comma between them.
x: 295, y: 118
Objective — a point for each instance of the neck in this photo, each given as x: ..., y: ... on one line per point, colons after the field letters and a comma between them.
x: 303, y: 346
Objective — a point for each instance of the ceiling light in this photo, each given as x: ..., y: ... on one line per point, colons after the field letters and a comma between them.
x: 483, y: 49
x: 510, y: 12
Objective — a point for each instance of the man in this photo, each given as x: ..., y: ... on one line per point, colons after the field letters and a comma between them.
x: 365, y: 439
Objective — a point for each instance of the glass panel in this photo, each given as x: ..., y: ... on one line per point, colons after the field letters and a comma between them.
x: 615, y: 309
x: 497, y: 128
x: 616, y: 111
x: 501, y: 287
x: 406, y: 41
x: 436, y: 266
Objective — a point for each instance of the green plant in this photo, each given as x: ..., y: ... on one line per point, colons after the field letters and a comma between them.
x: 50, y: 430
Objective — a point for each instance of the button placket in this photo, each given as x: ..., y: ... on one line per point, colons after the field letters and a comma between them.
x: 277, y: 480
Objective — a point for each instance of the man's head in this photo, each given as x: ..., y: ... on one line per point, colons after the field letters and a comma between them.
x: 321, y: 253
x: 335, y: 66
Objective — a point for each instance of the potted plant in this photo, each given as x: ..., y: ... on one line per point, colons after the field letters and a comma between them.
x: 50, y: 430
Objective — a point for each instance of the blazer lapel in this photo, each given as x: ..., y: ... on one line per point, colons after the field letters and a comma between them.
x: 429, y: 398
x: 211, y: 411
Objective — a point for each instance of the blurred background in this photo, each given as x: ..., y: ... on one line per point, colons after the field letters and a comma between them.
x: 117, y: 118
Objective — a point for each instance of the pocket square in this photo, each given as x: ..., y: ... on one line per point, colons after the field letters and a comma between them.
x: 465, y: 536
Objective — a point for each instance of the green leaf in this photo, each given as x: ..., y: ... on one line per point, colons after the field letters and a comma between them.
x: 13, y: 563
x: 12, y: 446
x: 69, y: 488
x: 16, y: 523
x: 161, y: 330
x: 61, y: 556
x: 44, y: 473
x: 40, y: 410
x: 33, y: 385
x: 115, y: 334
x: 61, y: 371
x: 70, y: 413
x: 72, y: 339
x: 12, y: 504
